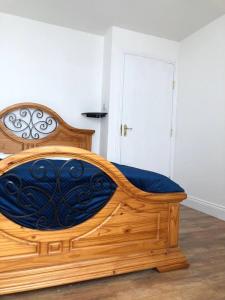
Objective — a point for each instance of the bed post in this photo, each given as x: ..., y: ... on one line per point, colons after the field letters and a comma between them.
x: 173, y: 237
x: 174, y: 214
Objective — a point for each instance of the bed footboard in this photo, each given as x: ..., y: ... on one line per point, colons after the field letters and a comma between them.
x: 130, y: 230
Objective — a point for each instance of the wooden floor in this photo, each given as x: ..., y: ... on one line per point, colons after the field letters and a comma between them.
x: 203, y: 241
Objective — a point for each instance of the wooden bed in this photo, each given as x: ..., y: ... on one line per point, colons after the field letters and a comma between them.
x: 135, y: 230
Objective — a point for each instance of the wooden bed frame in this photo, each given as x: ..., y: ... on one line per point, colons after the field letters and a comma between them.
x: 134, y: 231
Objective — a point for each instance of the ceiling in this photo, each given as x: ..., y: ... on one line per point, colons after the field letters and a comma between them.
x: 172, y: 19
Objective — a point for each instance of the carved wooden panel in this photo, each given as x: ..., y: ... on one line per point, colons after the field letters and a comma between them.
x: 55, y: 247
x: 12, y: 247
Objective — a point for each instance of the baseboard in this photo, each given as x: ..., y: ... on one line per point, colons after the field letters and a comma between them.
x: 207, y: 207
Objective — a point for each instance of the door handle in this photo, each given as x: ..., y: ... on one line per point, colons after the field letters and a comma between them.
x: 125, y: 129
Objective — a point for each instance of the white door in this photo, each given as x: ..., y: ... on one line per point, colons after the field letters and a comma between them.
x: 147, y: 110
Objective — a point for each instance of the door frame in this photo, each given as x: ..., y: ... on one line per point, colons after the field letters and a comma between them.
x: 173, y: 108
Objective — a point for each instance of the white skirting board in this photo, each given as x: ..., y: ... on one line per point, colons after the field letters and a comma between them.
x: 206, y: 207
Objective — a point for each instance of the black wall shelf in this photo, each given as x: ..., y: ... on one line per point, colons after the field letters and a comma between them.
x: 95, y: 114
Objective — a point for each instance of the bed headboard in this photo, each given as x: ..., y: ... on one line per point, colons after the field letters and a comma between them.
x: 28, y: 125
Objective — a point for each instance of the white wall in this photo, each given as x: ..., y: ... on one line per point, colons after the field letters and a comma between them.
x: 51, y: 65
x: 125, y: 41
x: 200, y: 141
x: 106, y: 83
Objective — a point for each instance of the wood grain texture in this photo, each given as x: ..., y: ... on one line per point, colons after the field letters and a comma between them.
x: 64, y: 134
x: 202, y: 238
x: 134, y: 231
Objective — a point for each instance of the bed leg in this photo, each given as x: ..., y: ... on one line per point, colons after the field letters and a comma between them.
x: 173, y: 267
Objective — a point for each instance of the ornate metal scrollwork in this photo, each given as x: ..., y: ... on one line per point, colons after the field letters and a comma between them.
x: 30, y: 123
x: 54, y: 195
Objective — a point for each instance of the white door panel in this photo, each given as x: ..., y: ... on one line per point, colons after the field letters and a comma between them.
x: 147, y: 109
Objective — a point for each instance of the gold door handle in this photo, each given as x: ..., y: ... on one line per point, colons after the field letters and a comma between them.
x: 125, y: 129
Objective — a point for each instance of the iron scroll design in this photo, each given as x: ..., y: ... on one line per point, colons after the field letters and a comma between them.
x: 52, y: 194
x: 28, y: 123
